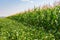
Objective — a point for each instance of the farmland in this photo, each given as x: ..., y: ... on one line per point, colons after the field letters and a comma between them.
x: 37, y: 24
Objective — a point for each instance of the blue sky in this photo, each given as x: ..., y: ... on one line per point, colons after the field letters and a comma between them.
x: 10, y: 7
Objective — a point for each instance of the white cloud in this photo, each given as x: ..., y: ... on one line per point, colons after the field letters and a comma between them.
x: 30, y: 1
x: 25, y: 0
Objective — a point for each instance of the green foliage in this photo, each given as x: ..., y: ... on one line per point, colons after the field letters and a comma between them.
x: 12, y: 30
x: 38, y: 24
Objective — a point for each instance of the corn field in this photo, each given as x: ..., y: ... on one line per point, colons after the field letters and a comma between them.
x: 36, y: 24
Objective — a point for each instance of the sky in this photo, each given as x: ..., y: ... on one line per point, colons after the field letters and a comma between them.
x: 10, y: 7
